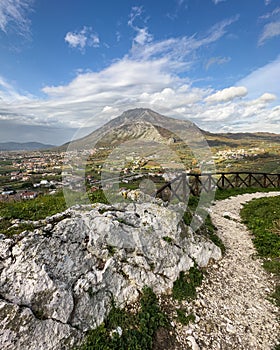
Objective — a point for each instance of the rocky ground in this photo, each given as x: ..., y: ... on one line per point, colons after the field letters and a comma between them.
x: 232, y: 310
x: 58, y: 281
x: 54, y: 282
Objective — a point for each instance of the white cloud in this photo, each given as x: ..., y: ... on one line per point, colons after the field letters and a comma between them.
x: 118, y: 36
x: 227, y: 94
x: 270, y: 14
x: 270, y: 30
x: 239, y: 116
x: 177, y: 49
x: 148, y: 76
x: 267, y: 2
x: 136, y: 12
x: 76, y: 39
x: 13, y: 15
x: 267, y: 97
x: 93, y: 40
x: 9, y: 94
x: 81, y: 39
x: 216, y: 60
x: 263, y: 79
x: 182, y: 3
x: 143, y: 36
x: 217, y: 1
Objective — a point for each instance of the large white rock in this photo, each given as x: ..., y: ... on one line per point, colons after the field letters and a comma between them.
x: 56, y: 283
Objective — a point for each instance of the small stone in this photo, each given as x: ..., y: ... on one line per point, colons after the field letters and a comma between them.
x: 230, y: 328
x: 193, y: 343
x: 202, y: 302
x: 48, y: 228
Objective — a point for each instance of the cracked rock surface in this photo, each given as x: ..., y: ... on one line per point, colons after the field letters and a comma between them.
x: 58, y: 281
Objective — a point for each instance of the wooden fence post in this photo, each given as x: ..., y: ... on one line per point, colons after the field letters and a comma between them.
x: 223, y: 180
x: 250, y: 179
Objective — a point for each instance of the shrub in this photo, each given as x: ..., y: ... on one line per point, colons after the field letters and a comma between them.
x: 184, y: 288
x: 182, y: 318
x: 137, y: 330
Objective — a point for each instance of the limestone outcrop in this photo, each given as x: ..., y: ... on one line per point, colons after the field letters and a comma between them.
x: 59, y: 280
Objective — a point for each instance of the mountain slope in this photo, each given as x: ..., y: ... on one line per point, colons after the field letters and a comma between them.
x: 138, y: 123
x: 27, y: 146
x: 146, y: 124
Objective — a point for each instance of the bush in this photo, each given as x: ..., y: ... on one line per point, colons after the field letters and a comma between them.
x: 183, y: 319
x: 184, y: 288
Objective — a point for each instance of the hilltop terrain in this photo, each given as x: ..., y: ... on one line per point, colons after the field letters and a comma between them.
x: 60, y: 280
x: 86, y: 263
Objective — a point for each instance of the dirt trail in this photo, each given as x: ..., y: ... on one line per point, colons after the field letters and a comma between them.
x: 232, y: 310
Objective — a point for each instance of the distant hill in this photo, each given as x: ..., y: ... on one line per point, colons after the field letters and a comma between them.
x: 240, y: 139
x: 27, y: 146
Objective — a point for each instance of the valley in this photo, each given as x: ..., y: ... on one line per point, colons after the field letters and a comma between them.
x: 140, y: 143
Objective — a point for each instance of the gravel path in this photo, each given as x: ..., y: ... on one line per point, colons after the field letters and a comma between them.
x: 232, y: 310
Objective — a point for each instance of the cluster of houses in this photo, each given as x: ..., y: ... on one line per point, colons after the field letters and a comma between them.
x: 9, y: 194
x: 27, y: 168
x: 28, y: 194
x: 239, y: 153
x: 35, y: 163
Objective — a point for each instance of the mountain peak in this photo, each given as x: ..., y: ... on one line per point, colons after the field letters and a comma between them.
x: 138, y: 112
x: 127, y: 125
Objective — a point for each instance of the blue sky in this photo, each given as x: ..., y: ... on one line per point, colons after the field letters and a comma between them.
x: 69, y: 64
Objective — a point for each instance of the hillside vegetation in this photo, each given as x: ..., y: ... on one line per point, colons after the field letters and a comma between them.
x: 262, y: 216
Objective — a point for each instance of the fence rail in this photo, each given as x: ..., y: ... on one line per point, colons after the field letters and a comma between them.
x: 184, y: 184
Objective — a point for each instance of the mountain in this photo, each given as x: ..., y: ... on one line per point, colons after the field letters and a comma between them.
x: 146, y: 124
x: 27, y: 146
x: 137, y: 124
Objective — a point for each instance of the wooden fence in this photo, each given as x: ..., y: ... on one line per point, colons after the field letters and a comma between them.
x: 194, y: 184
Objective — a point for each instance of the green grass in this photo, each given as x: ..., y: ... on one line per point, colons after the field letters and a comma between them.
x: 35, y: 209
x: 184, y: 288
x: 183, y: 318
x: 16, y: 230
x: 207, y: 229
x: 211, y: 233
x: 38, y: 208
x: 137, y: 330
x: 98, y: 197
x: 262, y: 217
x: 276, y: 295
